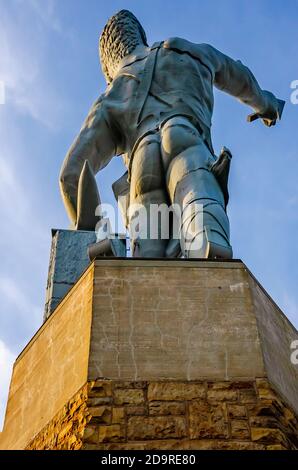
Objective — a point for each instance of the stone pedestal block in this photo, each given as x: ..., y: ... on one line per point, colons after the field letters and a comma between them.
x: 68, y: 260
x: 158, y: 354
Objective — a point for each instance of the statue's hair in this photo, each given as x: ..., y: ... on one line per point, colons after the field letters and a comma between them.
x: 122, y: 33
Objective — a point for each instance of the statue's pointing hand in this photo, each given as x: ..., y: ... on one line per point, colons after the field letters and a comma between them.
x: 272, y: 112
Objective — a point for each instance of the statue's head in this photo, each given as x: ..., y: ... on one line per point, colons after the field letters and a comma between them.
x: 121, y: 35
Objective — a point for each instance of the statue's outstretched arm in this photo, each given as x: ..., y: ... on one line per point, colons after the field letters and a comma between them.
x: 94, y: 143
x: 236, y: 79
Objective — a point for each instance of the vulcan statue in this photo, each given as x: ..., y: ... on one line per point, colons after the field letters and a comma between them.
x: 156, y: 113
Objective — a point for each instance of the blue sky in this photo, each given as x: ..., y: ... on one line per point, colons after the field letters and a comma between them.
x: 49, y: 65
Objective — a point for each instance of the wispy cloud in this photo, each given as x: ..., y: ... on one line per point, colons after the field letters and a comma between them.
x: 24, y: 247
x: 17, y: 72
x: 13, y: 201
x: 46, y: 11
x: 2, y: 92
x: 16, y: 214
x: 22, y: 59
x: 18, y: 301
x: 6, y: 362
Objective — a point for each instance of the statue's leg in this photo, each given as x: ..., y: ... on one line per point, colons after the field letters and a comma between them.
x: 147, y: 188
x: 195, y: 190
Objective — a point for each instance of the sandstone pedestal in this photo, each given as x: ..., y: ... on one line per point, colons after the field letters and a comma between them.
x: 158, y: 354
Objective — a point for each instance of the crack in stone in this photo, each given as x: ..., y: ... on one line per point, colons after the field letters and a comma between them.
x: 196, y: 325
x: 156, y: 321
x: 132, y: 348
x: 116, y: 348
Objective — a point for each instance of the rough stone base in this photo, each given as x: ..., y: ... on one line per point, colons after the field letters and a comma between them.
x: 185, y: 347
x: 113, y: 415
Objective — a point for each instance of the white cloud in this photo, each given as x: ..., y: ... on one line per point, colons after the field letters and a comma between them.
x: 22, y: 237
x: 20, y: 72
x: 13, y: 296
x: 22, y: 59
x: 2, y: 92
x: 13, y: 201
x: 46, y: 11
x: 6, y: 362
x: 16, y: 212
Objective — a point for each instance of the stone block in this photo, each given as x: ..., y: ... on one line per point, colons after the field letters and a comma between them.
x: 136, y: 410
x: 268, y: 435
x: 175, y: 391
x: 207, y: 421
x: 68, y: 260
x: 157, y: 427
x: 166, y: 408
x: 118, y: 415
x: 113, y: 433
x: 236, y: 411
x: 240, y: 429
x: 101, y: 414
x: 128, y: 397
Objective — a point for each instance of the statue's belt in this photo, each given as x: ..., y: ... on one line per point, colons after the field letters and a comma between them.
x: 157, y: 129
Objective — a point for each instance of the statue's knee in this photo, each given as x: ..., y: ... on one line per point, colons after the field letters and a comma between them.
x: 67, y: 179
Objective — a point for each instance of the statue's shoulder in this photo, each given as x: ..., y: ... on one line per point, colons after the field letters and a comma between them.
x: 109, y: 94
x: 107, y: 99
x: 203, y: 52
x: 184, y: 45
x: 177, y: 43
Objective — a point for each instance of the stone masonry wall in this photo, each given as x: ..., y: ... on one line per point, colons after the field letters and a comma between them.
x: 66, y: 430
x: 111, y: 415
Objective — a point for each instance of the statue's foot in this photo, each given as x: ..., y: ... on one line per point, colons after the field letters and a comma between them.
x: 146, y: 248
x: 208, y: 244
x: 216, y: 251
x: 173, y: 249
